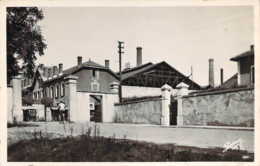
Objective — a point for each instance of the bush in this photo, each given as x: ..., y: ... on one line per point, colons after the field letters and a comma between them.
x: 27, y: 100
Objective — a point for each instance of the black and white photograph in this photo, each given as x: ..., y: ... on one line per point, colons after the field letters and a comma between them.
x: 129, y: 83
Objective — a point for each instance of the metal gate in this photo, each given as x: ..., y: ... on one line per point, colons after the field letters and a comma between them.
x: 173, y: 112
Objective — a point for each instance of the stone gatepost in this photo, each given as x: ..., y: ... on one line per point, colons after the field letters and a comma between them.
x: 17, y: 112
x: 71, y: 96
x: 166, y: 101
x: 183, y: 91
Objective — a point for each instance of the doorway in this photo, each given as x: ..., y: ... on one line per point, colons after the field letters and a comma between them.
x: 96, y: 108
x: 173, y: 112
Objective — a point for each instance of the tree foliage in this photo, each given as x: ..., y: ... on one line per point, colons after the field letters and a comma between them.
x: 47, y: 101
x: 27, y: 100
x: 24, y: 40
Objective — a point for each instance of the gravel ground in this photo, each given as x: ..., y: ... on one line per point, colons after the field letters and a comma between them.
x: 198, y: 137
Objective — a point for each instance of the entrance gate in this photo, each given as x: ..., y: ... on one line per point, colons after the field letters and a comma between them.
x: 173, y: 112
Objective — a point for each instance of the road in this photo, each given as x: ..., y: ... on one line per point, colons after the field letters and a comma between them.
x: 191, y: 136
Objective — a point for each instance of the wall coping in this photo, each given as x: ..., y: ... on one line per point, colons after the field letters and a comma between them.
x: 139, y: 101
x: 218, y: 92
x: 92, y: 92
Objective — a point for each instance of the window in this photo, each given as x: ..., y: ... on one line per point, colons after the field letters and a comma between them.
x: 95, y: 86
x: 39, y: 94
x: 52, y: 92
x: 252, y: 74
x: 95, y: 74
x: 62, y: 92
x: 57, y: 91
x: 36, y: 95
x: 47, y: 91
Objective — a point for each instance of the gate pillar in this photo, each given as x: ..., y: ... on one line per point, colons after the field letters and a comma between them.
x: 166, y: 101
x: 71, y: 95
x: 183, y: 90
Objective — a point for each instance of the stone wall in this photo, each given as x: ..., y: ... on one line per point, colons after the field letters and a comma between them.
x: 232, y: 108
x: 147, y: 111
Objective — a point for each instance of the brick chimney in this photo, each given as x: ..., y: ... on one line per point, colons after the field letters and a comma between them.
x: 106, y: 63
x: 138, y: 56
x: 45, y: 71
x: 211, y: 73
x: 50, y: 73
x: 55, y: 71
x: 41, y: 66
x: 60, y: 68
x: 79, y: 60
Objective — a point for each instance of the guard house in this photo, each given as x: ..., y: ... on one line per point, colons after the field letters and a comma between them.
x: 245, y: 66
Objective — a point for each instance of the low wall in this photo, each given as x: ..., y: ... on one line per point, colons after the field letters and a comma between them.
x: 147, y: 111
x: 228, y: 108
x: 40, y: 111
x: 10, y: 104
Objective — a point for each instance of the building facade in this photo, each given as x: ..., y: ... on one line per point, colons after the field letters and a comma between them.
x: 93, y: 82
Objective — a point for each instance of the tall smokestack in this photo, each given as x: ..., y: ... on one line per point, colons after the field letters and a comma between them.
x: 79, y: 60
x: 138, y: 56
x: 107, y: 63
x: 221, y: 76
x: 211, y: 72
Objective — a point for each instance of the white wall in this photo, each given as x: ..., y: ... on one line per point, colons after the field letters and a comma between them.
x: 83, y: 110
x: 40, y: 111
x: 137, y: 91
x: 108, y: 108
x: 10, y: 104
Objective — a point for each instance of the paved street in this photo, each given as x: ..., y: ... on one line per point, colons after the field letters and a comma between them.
x: 199, y: 137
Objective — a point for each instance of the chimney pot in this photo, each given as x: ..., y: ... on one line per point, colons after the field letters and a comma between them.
x: 252, y: 48
x: 55, y: 70
x: 211, y: 73
x: 45, y: 71
x: 138, y: 56
x: 107, y: 63
x: 79, y: 60
x: 41, y: 66
x: 50, y: 72
x: 60, y: 68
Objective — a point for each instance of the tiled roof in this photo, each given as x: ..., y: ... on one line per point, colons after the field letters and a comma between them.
x: 89, y: 64
x: 230, y: 83
x: 135, y: 70
x: 145, y: 67
x: 243, y: 55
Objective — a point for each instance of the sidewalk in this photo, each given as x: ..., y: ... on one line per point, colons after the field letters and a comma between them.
x: 189, y: 136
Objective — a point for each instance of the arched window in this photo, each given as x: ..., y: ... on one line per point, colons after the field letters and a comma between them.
x: 62, y: 91
x: 57, y: 91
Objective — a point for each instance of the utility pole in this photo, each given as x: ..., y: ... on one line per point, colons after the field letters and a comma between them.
x: 120, y: 52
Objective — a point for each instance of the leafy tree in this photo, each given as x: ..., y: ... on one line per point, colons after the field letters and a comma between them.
x: 27, y: 100
x: 24, y: 40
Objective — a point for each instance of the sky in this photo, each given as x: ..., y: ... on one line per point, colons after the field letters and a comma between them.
x: 180, y: 36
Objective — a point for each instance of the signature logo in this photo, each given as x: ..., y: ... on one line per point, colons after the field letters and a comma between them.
x: 235, y: 145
